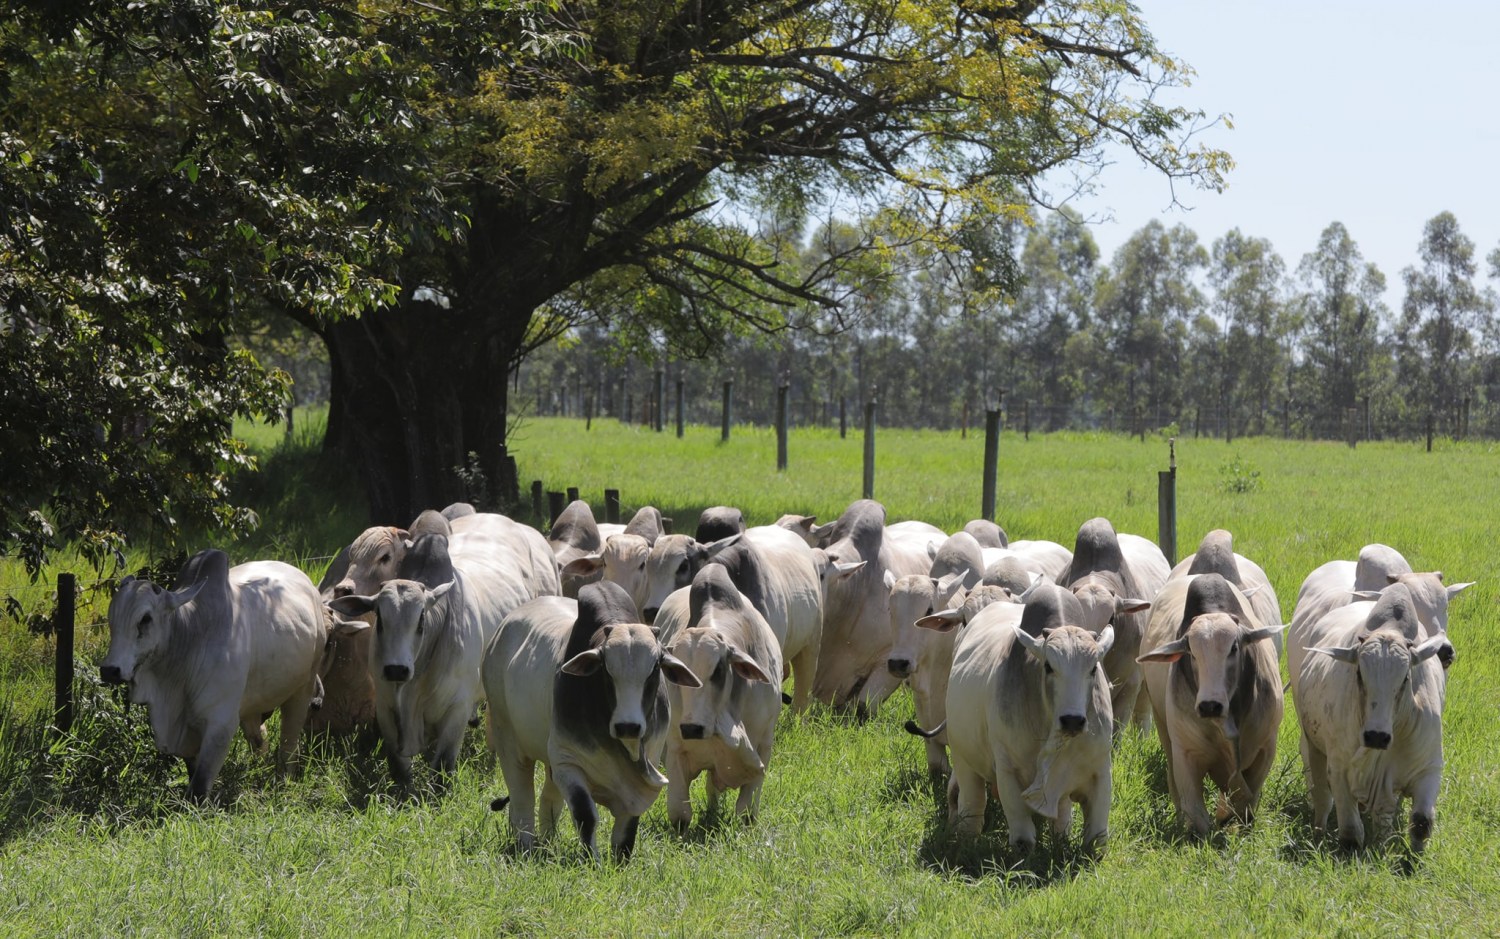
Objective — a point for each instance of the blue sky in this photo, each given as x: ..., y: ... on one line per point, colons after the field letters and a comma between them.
x: 1375, y: 114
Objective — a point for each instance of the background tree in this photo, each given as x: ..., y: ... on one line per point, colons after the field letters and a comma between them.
x: 1246, y: 276
x: 1441, y: 309
x: 1341, y: 310
x: 1058, y: 270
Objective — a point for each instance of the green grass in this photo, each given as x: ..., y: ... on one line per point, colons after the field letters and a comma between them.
x: 849, y: 842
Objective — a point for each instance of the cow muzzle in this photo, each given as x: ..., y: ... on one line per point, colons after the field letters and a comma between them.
x: 396, y: 672
x: 1071, y: 724
x: 649, y: 614
x: 627, y: 730
x: 343, y: 589
x: 899, y: 668
x: 692, y: 731
x: 111, y: 675
x: 1377, y: 739
x: 1210, y: 709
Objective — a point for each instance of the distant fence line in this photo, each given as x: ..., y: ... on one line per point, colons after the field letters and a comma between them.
x: 726, y: 405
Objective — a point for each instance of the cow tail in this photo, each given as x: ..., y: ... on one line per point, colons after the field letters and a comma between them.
x: 912, y: 727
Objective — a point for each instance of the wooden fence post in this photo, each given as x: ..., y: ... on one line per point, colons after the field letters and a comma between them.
x: 1166, y: 506
x: 728, y: 411
x: 781, y: 393
x: 62, y: 630
x: 555, y: 506
x: 843, y: 418
x: 963, y: 433
x: 572, y: 493
x: 991, y: 461
x: 536, y: 502
x: 612, y: 506
x: 1429, y: 431
x: 679, y: 408
x: 1026, y: 419
x: 659, y: 413
x: 1350, y: 418
x: 869, y: 483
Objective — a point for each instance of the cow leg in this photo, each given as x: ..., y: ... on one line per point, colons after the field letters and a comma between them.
x: 679, y: 790
x: 211, y: 753
x: 937, y: 752
x: 967, y: 796
x: 294, y: 713
x: 520, y: 783
x: 1096, y: 813
x: 875, y: 689
x: 1141, y: 716
x: 585, y: 816
x: 1166, y: 749
x: 1017, y: 812
x: 255, y: 733
x: 712, y: 792
x: 1351, y: 827
x: 551, y: 808
x: 804, y: 667
x: 1320, y: 795
x: 1424, y: 808
x: 1190, y: 792
x: 1062, y: 822
x: 622, y: 839
x: 747, y: 806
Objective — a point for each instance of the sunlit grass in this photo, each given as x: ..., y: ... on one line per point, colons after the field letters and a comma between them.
x: 849, y: 842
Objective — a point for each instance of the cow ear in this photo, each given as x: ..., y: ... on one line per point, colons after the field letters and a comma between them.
x: 1266, y: 632
x: 177, y: 598
x: 352, y: 605
x: 1248, y: 592
x: 1456, y: 589
x: 1105, y: 641
x: 1340, y: 654
x: 1429, y: 648
x: 585, y: 566
x: 584, y: 663
x: 946, y: 584
x: 402, y: 535
x: 677, y: 672
x: 942, y: 621
x: 746, y: 667
x: 1395, y: 578
x: 1365, y: 594
x: 846, y: 569
x: 1032, y: 643
x: 931, y: 551
x: 1170, y: 652
x: 714, y: 547
x: 1030, y: 592
x: 889, y: 579
x: 1131, y: 605
x: 437, y: 593
x: 346, y: 628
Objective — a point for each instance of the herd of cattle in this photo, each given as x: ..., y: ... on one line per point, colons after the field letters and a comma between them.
x: 628, y: 660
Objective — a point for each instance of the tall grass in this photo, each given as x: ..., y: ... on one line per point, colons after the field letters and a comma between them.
x: 95, y: 838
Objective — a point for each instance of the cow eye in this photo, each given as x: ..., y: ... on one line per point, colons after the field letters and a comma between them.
x: 1093, y: 671
x: 683, y: 567
x: 1234, y: 647
x: 1048, y: 667
x: 141, y: 626
x: 718, y: 675
x: 385, y: 558
x: 642, y: 567
x: 929, y: 611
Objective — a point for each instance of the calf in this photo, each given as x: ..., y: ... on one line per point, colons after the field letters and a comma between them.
x: 725, y: 726
x: 578, y: 685
x: 1215, y: 690
x: 226, y: 647
x: 1370, y: 702
x: 1029, y: 712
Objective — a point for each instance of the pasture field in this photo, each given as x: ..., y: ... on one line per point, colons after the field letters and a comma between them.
x: 96, y: 839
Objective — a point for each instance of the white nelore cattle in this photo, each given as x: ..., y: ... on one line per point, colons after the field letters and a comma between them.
x: 1029, y: 713
x: 578, y: 685
x: 987, y: 533
x: 1114, y: 577
x: 431, y: 625
x: 725, y: 726
x: 575, y: 534
x: 719, y: 521
x: 622, y: 560
x: 1370, y: 701
x: 804, y: 527
x: 1214, y: 684
x: 1016, y: 566
x: 1216, y: 555
x: 920, y: 657
x: 852, y: 670
x: 673, y: 562
x: 1338, y: 583
x: 225, y: 648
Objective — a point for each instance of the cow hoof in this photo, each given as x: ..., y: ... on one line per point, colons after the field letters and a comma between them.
x: 1421, y: 829
x: 1349, y: 844
x: 1023, y: 845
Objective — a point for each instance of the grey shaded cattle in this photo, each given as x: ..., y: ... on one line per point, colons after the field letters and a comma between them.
x: 987, y: 533
x: 1029, y: 713
x: 1010, y: 566
x: 1214, y: 684
x: 852, y: 670
x: 431, y: 625
x: 719, y: 521
x: 671, y: 565
x: 646, y: 523
x: 574, y: 534
x: 1216, y: 555
x: 1370, y: 703
x: 458, y: 510
x: 724, y: 727
x: 1114, y: 577
x: 922, y: 657
x: 1338, y: 583
x: 622, y: 560
x: 804, y: 527
x: 578, y: 685
x: 224, y: 649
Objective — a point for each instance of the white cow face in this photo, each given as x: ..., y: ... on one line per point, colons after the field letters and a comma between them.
x: 1217, y: 644
x: 622, y: 560
x: 1100, y: 606
x: 374, y: 558
x: 670, y: 566
x: 1431, y: 596
x: 140, y: 624
x: 914, y: 598
x: 402, y: 609
x: 803, y: 526
x: 706, y: 709
x: 1385, y: 660
x: 1070, y: 659
x: 635, y: 663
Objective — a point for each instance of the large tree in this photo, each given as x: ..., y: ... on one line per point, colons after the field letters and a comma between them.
x: 436, y: 188
x: 1441, y: 310
x: 1341, y: 311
